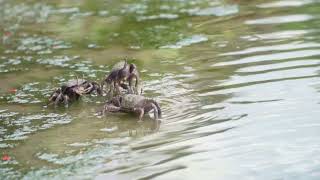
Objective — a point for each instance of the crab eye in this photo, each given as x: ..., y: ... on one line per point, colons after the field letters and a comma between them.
x: 132, y: 68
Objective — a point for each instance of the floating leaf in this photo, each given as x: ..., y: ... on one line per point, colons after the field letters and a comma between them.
x: 6, y: 157
x: 13, y: 90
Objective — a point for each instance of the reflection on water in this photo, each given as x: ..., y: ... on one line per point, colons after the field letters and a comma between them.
x: 237, y: 83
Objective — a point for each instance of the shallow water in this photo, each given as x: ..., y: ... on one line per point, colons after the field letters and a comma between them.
x: 238, y: 83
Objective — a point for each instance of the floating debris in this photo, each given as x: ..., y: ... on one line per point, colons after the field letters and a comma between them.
x: 24, y: 125
x: 5, y: 157
x: 12, y: 90
x: 28, y: 93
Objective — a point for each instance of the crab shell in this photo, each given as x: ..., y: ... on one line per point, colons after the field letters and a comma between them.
x: 129, y: 101
x: 75, y: 82
x: 118, y: 66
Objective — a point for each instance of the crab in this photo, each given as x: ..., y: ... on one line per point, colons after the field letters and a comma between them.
x: 120, y: 73
x: 73, y: 90
x: 132, y: 103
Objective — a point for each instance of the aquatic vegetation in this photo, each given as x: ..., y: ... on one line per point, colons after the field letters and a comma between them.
x: 23, y: 125
x: 19, y: 63
x: 29, y: 93
x: 40, y: 45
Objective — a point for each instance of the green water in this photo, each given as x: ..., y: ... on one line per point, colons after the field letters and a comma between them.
x: 237, y: 81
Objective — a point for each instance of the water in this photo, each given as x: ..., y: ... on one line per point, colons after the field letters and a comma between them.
x: 238, y: 83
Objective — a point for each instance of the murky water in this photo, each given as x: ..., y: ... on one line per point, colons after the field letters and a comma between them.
x: 238, y: 83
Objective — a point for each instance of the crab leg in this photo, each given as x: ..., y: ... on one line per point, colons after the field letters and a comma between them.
x: 124, y: 86
x: 57, y: 100
x: 102, y: 85
x: 50, y: 102
x: 110, y: 108
x: 139, y: 111
x: 88, y: 89
x: 155, y: 106
x: 52, y: 98
x: 117, y: 85
x: 79, y: 91
x: 111, y: 88
x: 93, y: 86
x: 96, y: 87
x: 66, y: 100
x: 131, y: 77
x: 53, y: 95
x: 155, y: 111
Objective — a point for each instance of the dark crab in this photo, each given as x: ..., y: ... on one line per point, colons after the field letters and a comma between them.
x: 72, y: 91
x: 132, y: 103
x: 121, y: 73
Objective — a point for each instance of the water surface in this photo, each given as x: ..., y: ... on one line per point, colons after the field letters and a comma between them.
x: 238, y: 83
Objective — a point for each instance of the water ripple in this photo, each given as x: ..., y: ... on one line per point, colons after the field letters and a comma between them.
x: 272, y: 57
x: 281, y: 19
x: 285, y: 3
x: 280, y: 47
x: 280, y: 35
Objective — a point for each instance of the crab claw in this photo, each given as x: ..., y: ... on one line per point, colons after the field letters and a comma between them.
x: 80, y: 91
x: 88, y: 89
